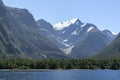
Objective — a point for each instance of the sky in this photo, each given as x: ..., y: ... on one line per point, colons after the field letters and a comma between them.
x: 105, y: 14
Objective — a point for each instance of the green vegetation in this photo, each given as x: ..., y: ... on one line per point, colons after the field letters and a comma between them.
x: 60, y: 64
x: 112, y: 51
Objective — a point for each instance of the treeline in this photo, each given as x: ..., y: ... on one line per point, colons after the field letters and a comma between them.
x: 60, y: 64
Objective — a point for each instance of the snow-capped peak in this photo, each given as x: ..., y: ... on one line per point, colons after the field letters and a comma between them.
x: 60, y: 26
x: 73, y: 20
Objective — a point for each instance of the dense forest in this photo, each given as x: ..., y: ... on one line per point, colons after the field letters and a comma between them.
x: 60, y: 64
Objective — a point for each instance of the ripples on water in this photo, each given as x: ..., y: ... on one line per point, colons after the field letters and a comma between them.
x: 61, y: 75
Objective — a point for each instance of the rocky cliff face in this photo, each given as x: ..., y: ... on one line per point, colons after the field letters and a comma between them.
x: 76, y: 38
x: 21, y: 38
x: 22, y: 16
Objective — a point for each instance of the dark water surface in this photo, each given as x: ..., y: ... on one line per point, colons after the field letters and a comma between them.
x: 61, y: 75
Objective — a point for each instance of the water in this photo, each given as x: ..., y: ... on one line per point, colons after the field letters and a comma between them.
x: 61, y: 75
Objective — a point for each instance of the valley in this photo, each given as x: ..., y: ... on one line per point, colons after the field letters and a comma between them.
x: 21, y: 36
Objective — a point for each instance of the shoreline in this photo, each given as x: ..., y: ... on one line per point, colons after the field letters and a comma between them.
x: 36, y: 70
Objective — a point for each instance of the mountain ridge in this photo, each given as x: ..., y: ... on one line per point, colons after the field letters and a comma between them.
x: 73, y: 33
x: 62, y: 25
x: 111, y: 51
x: 19, y: 39
x: 22, y: 36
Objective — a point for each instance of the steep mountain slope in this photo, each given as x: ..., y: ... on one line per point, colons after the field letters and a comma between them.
x: 112, y: 51
x: 111, y: 36
x: 83, y: 39
x: 22, y: 16
x: 20, y: 36
x: 93, y: 43
x: 70, y: 36
x: 47, y: 30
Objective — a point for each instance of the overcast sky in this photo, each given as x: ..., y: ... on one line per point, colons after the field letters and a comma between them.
x: 105, y: 14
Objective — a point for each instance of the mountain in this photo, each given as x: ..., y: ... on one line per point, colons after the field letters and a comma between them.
x: 93, y: 43
x: 111, y: 36
x: 22, y: 16
x: 112, y: 51
x: 23, y: 37
x: 20, y: 36
x: 47, y: 30
x: 70, y: 36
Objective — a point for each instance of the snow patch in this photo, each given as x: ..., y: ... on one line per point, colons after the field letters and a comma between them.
x: 74, y: 33
x: 73, y: 20
x: 42, y: 29
x: 61, y: 41
x: 90, y: 28
x: 66, y: 45
x: 83, y: 25
x: 65, y: 40
x: 60, y: 26
x: 68, y: 50
x: 43, y: 55
x: 114, y: 33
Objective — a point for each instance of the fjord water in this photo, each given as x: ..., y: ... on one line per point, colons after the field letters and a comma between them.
x: 61, y: 75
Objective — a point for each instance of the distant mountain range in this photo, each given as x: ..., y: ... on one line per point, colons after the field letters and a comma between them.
x: 23, y: 37
x: 75, y: 38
